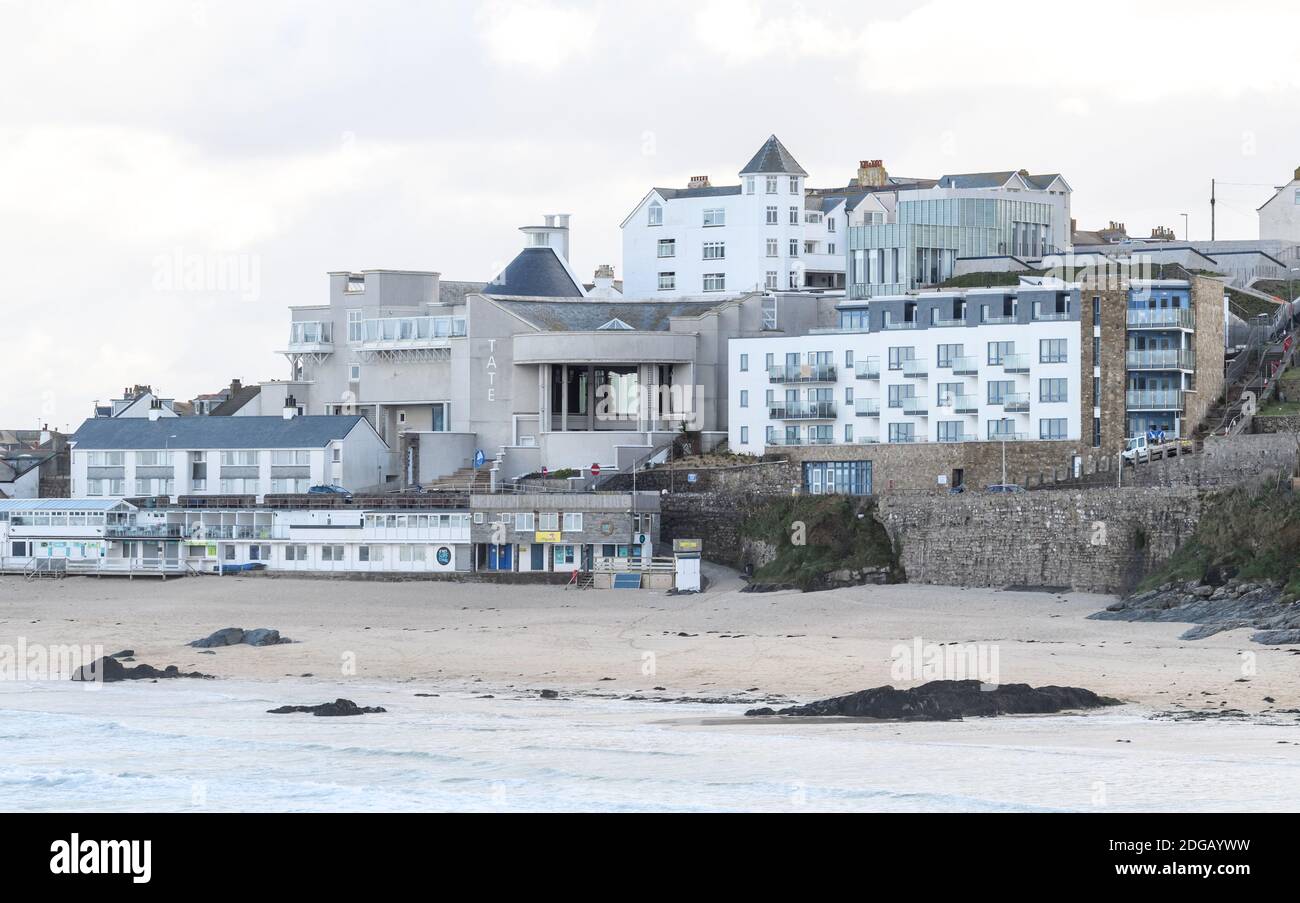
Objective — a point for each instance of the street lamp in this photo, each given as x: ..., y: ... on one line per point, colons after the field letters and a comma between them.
x: 1185, y: 227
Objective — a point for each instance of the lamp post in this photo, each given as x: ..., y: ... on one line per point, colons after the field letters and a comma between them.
x: 1185, y: 238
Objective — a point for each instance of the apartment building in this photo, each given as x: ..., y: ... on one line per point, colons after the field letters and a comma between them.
x: 228, y: 456
x: 998, y: 364
x: 768, y: 232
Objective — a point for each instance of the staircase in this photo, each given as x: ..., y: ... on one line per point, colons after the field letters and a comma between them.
x: 581, y: 581
x: 467, y: 478
x: 56, y: 568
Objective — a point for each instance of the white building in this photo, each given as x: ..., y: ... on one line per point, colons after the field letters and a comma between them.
x: 961, y: 366
x: 1279, y: 216
x: 761, y: 234
x: 231, y: 456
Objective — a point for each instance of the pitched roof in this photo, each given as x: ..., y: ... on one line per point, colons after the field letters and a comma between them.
x: 772, y: 157
x: 672, y: 194
x: 236, y: 401
x: 534, y: 273
x: 582, y: 316
x: 977, y: 179
x: 1043, y: 181
x: 63, y: 504
x: 213, y: 432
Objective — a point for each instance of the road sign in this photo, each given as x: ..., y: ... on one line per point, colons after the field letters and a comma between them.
x: 595, y: 470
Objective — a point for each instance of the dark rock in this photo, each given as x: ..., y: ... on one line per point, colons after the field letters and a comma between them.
x: 110, y: 670
x: 336, y: 709
x: 946, y: 700
x: 235, y: 636
x: 759, y: 712
x: 262, y: 636
x: 550, y: 694
x: 125, y: 653
x: 1276, y: 637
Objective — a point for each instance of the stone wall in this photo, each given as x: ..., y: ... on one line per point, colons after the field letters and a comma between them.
x: 1208, y: 342
x: 1277, y: 424
x: 1095, y: 540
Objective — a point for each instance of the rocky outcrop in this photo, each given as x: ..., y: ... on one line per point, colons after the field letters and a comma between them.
x: 237, y: 636
x: 109, y: 670
x: 1213, y: 609
x: 947, y: 700
x: 339, y: 708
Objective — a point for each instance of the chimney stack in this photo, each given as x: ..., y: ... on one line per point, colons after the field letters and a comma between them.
x: 235, y: 386
x: 155, y: 410
x: 290, y: 407
x: 699, y: 182
x: 871, y: 174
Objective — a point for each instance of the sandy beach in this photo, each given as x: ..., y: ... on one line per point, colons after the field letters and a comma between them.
x: 723, y: 641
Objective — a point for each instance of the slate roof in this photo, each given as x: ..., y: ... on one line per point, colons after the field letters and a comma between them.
x: 62, y: 504
x: 213, y: 432
x: 672, y: 194
x: 1043, y: 180
x: 455, y: 292
x: 773, y: 157
x: 976, y: 179
x: 534, y: 273
x: 581, y: 316
x: 236, y: 401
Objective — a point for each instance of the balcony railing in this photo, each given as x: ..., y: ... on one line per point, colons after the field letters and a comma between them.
x: 998, y: 318
x: 1013, y: 401
x: 1015, y: 363
x: 802, y: 410
x: 899, y: 324
x: 406, y: 332
x: 917, y: 406
x: 866, y: 407
x: 867, y: 369
x: 905, y: 439
x: 800, y: 440
x: 948, y: 321
x: 954, y: 437
x: 1155, y: 400
x: 311, y: 335
x: 802, y: 373
x: 146, y: 531
x: 868, y: 440
x: 916, y: 367
x: 1160, y: 359
x: 1000, y: 436
x: 1161, y: 318
x: 961, y: 404
x: 965, y: 366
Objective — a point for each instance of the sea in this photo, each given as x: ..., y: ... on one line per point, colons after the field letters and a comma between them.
x: 198, y: 746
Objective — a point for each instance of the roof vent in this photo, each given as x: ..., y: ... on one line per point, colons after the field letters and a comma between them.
x: 615, y: 323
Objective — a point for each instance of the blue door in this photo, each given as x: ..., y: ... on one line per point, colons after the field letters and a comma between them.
x: 538, y: 556
x: 498, y: 558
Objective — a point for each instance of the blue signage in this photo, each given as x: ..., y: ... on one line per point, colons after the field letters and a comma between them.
x: 479, y: 458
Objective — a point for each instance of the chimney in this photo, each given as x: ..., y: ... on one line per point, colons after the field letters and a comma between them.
x: 871, y: 174
x: 699, y: 182
x: 605, y: 276
x: 155, y: 410
x: 235, y: 386
x: 290, y: 407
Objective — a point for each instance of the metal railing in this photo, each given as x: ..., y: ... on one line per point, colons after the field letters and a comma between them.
x: 795, y: 441
x: 802, y: 410
x: 1154, y: 399
x: 917, y: 366
x: 1015, y: 363
x: 1160, y: 359
x: 868, y: 368
x: 802, y: 373
x: 916, y: 405
x: 1161, y: 318
x: 866, y: 407
x: 965, y: 366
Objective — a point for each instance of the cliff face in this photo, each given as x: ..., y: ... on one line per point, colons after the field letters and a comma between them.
x: 816, y: 542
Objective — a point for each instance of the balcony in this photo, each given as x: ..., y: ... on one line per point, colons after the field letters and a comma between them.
x: 954, y: 437
x: 965, y: 366
x: 145, y: 531
x: 1000, y: 436
x: 868, y: 440
x: 867, y: 369
x: 793, y: 441
x: 899, y: 324
x: 866, y: 407
x: 916, y: 367
x: 1014, y: 402
x: 938, y: 321
x: 961, y: 404
x: 994, y: 319
x: 1015, y: 363
x: 802, y: 410
x: 1160, y: 359
x: 802, y: 373
x: 917, y: 406
x: 1155, y: 399
x: 314, y: 337
x: 1161, y: 318
x: 906, y: 439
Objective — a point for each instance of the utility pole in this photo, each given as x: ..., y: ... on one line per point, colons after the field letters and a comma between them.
x: 1004, y: 462
x: 1185, y: 238
x: 1212, y: 203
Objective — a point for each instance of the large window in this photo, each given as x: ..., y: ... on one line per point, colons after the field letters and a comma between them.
x: 105, y: 459
x: 773, y: 248
x: 667, y: 282
x: 655, y: 215
x: 715, y: 250
x: 240, y: 458
x: 943, y: 355
x: 837, y: 477
x: 794, y: 216
x: 667, y: 247
x: 771, y: 182
x: 548, y: 521
x: 572, y: 522
x: 715, y: 282
x: 1051, y: 428
x: 1002, y: 429
x: 999, y: 389
x: 902, y: 432
x: 298, y: 457
x: 999, y: 350
x: 772, y: 216
x: 898, y: 355
x: 715, y: 216
x: 1051, y: 351
x: 1052, y: 390
x: 950, y: 431
x: 356, y: 326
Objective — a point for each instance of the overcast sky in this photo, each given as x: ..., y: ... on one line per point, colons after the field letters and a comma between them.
x: 281, y: 140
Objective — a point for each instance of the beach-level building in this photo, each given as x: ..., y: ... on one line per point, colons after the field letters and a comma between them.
x: 938, y: 389
x: 529, y: 370
x: 228, y: 456
x: 565, y: 531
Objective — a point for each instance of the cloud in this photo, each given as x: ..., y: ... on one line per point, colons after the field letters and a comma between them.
x: 535, y: 34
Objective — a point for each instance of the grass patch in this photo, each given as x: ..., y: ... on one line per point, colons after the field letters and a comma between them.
x: 1255, y: 531
x: 1247, y: 306
x: 837, y: 533
x: 1288, y: 388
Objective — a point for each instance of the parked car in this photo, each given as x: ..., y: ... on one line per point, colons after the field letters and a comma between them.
x: 329, y: 490
x: 1141, y: 449
x: 1005, y: 487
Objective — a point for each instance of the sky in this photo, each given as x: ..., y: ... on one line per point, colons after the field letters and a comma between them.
x: 174, y: 175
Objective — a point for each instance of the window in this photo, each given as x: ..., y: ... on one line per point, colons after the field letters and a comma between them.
x: 830, y: 247
x: 563, y: 554
x: 830, y: 224
x: 1002, y: 429
x: 1051, y: 428
x: 770, y: 435
x: 848, y: 432
x: 1096, y: 391
x: 240, y: 459
x: 744, y: 398
x: 1096, y: 432
x: 331, y: 553
x: 1096, y: 351
x: 999, y: 389
x: 715, y: 250
x: 354, y: 373
x: 770, y: 280
x: 667, y: 282
x: 715, y: 216
x: 770, y: 395
x: 524, y: 522
x: 1051, y: 351
x: 899, y: 354
x: 744, y: 435
x: 572, y: 522
x: 667, y: 247
x: 950, y: 431
x: 999, y: 350
x: 153, y: 459
x: 794, y: 279
x: 370, y: 553
x: 1096, y: 310
x: 411, y: 553
x: 296, y: 486
x: 794, y: 184
x: 794, y: 247
x: 773, y: 247
x: 749, y: 184
x: 848, y: 396
x: 715, y: 282
x: 1297, y: 196
x: 794, y: 216
x: 772, y: 216
x: 655, y: 215
x: 356, y: 326
x: 848, y: 359
x: 843, y: 477
x: 1052, y: 390
x: 295, y: 457
x: 948, y: 393
x: 95, y: 487
x: 744, y: 363
x: 899, y: 393
x: 548, y: 522
x: 771, y: 184
x: 902, y: 432
x: 944, y: 354
x: 105, y: 459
